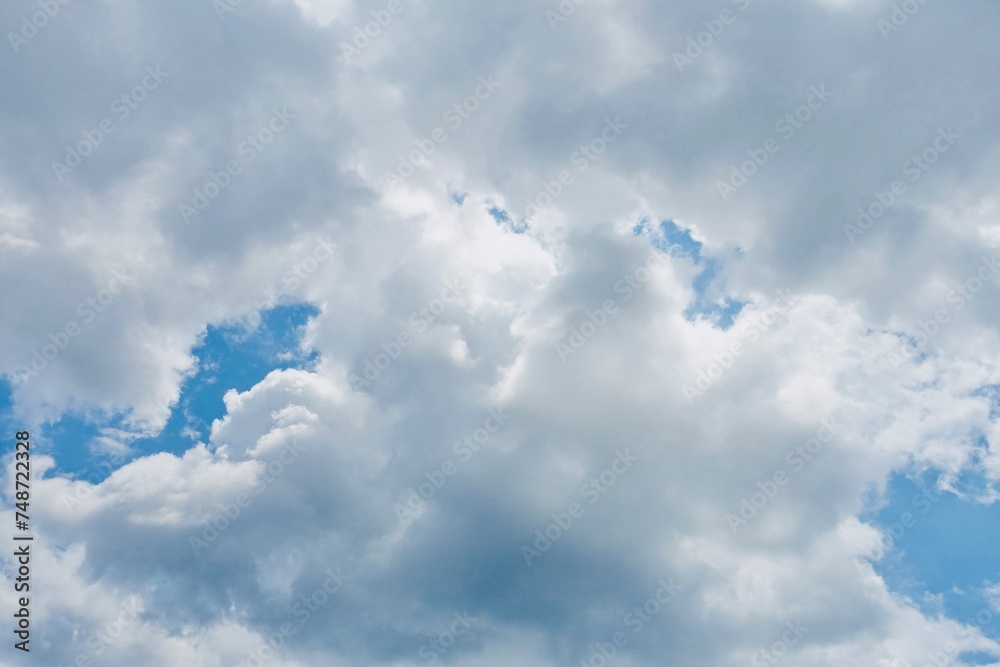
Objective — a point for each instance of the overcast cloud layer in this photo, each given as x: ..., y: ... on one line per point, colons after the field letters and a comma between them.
x: 541, y: 424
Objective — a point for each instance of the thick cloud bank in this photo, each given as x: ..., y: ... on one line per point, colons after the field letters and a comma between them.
x: 627, y: 313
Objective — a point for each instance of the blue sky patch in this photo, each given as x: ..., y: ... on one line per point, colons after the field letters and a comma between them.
x: 503, y: 219
x: 231, y: 356
x: 709, y: 303
x: 944, y: 551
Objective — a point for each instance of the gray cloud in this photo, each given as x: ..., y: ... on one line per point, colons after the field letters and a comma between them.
x: 803, y: 557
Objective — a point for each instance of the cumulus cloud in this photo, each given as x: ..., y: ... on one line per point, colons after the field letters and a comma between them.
x: 510, y: 360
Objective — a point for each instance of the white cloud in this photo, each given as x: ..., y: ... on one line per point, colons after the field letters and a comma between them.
x: 353, y: 450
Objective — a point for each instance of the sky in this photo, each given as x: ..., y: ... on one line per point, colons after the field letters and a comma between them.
x: 595, y: 332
